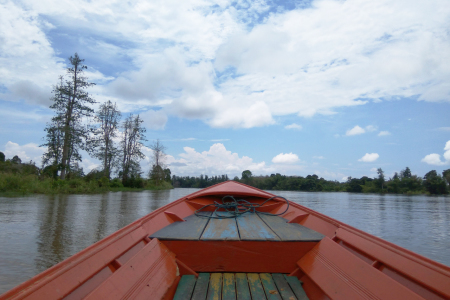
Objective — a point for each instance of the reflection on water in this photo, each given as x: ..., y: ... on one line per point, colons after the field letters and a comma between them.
x: 40, y: 231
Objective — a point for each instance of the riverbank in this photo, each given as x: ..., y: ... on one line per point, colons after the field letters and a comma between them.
x: 12, y: 185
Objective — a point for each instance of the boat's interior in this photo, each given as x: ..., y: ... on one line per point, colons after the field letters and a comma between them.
x: 174, y: 253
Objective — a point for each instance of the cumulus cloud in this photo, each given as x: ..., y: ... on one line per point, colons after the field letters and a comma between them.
x: 227, y: 68
x: 355, y: 131
x: 384, y: 133
x: 25, y: 152
x: 369, y: 157
x: 293, y: 126
x: 435, y: 159
x: 154, y: 119
x: 215, y: 161
x: 288, y: 158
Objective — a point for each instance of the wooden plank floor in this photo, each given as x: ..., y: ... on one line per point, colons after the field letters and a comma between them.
x: 247, y: 227
x: 240, y: 286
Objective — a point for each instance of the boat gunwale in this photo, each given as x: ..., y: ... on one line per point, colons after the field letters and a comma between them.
x: 41, y: 279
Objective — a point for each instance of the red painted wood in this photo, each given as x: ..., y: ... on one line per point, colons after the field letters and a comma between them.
x: 231, y: 188
x: 239, y: 256
x: 410, y: 264
x: 298, y: 218
x: 184, y: 269
x: 148, y: 274
x: 174, y: 217
x: 87, y: 268
x: 342, y: 275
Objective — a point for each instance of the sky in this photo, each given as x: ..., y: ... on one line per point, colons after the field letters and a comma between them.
x: 328, y: 87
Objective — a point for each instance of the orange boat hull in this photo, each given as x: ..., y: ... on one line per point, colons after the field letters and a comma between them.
x: 345, y: 264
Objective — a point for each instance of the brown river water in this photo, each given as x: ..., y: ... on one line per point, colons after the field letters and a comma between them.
x: 37, y: 232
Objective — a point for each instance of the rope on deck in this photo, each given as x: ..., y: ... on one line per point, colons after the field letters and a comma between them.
x: 236, y: 207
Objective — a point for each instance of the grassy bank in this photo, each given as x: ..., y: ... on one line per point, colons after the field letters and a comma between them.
x: 18, y: 184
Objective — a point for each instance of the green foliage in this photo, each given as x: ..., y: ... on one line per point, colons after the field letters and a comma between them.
x: 198, y: 182
x: 354, y: 185
x: 2, y: 157
x: 434, y: 183
x: 16, y: 160
x: 102, y: 144
x: 446, y: 175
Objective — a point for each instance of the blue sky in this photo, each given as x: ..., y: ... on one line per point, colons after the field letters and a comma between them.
x: 326, y: 87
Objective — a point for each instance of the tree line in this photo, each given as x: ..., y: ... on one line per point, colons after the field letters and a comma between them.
x: 77, y: 126
x: 401, y: 183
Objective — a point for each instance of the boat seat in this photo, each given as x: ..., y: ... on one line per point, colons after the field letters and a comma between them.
x: 342, y: 275
x: 247, y: 227
x: 227, y: 286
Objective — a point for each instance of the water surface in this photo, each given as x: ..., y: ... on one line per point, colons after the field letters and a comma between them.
x: 39, y: 231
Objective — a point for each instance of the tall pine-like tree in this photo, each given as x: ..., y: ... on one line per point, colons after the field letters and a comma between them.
x: 103, y: 146
x: 66, y: 134
x: 130, y: 146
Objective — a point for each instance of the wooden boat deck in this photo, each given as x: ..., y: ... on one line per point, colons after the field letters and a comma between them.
x: 241, y: 286
x: 247, y: 227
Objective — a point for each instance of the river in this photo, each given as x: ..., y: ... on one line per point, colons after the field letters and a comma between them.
x: 37, y: 232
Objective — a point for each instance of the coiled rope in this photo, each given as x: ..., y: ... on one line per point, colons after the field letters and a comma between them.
x: 236, y: 208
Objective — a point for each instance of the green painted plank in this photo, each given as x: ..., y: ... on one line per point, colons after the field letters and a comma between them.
x: 201, y: 288
x: 242, y: 290
x: 291, y: 232
x: 296, y: 286
x: 221, y: 229
x: 269, y: 286
x: 185, y: 287
x: 283, y: 287
x: 255, y: 285
x: 215, y: 287
x: 229, y: 287
x: 252, y: 228
x: 191, y: 229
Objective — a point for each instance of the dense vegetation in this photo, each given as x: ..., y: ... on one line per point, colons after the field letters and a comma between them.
x: 17, y: 178
x: 403, y: 183
x: 76, y: 126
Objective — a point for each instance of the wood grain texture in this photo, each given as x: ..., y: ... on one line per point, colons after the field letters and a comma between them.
x: 215, y: 287
x: 201, y: 287
x: 290, y: 232
x: 296, y: 287
x: 229, y: 287
x: 185, y: 287
x: 252, y: 228
x: 283, y: 286
x: 270, y: 288
x: 192, y: 229
x: 221, y: 229
x: 242, y: 289
x: 255, y: 285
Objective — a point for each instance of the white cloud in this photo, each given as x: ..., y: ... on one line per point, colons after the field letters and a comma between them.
x: 288, y: 158
x: 154, y: 119
x: 227, y: 69
x: 384, y: 133
x: 215, y: 161
x: 355, y: 131
x: 318, y: 157
x: 25, y: 152
x: 435, y: 159
x: 371, y: 128
x: 369, y: 157
x: 293, y: 126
